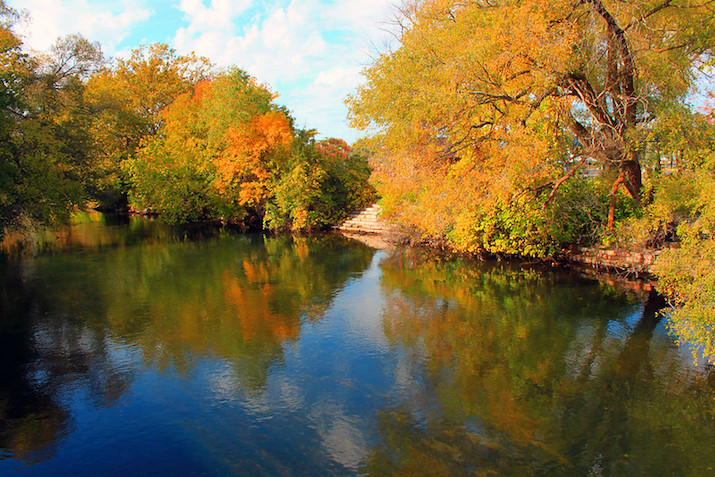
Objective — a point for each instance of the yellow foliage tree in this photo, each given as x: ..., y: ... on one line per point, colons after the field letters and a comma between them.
x: 485, y: 101
x: 128, y: 98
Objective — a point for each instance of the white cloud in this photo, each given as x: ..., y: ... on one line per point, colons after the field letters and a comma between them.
x: 97, y: 21
x: 320, y: 105
x: 309, y: 51
x: 338, y: 76
x: 281, y: 44
x: 216, y: 18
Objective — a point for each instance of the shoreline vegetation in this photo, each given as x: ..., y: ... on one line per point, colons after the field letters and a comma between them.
x: 506, y: 129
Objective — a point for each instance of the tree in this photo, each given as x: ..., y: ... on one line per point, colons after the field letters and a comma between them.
x: 127, y: 98
x: 73, y: 58
x: 687, y: 273
x: 44, y: 146
x: 502, y: 99
x: 55, y: 100
x: 255, y: 149
x: 219, y: 146
x: 324, y: 181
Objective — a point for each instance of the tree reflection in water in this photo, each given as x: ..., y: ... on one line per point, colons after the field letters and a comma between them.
x: 43, y: 353
x: 537, y: 372
x: 153, y: 296
x: 196, y: 350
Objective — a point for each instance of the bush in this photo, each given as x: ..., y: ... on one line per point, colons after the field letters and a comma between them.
x: 687, y: 273
x: 534, y: 225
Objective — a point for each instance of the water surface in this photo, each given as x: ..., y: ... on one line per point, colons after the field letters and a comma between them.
x: 129, y: 347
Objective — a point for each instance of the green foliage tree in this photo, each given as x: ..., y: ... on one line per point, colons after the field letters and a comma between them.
x: 679, y: 219
x: 324, y: 181
x: 687, y: 273
x: 45, y: 150
x: 56, y: 100
x: 498, y: 100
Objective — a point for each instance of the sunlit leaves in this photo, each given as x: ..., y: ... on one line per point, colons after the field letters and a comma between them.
x: 502, y: 100
x: 128, y: 97
x: 687, y: 273
x: 254, y: 151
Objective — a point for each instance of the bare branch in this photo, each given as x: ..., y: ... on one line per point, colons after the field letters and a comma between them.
x: 557, y: 183
x: 653, y: 11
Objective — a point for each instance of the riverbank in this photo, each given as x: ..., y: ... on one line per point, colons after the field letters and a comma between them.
x: 629, y: 263
x: 633, y: 268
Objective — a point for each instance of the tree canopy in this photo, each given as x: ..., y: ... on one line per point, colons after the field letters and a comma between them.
x: 44, y: 145
x: 215, y: 152
x: 227, y: 152
x: 505, y: 101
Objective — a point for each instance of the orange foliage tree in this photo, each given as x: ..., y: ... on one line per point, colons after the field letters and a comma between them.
x: 245, y: 168
x: 218, y: 146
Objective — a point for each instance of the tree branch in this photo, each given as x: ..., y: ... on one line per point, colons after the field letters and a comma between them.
x: 627, y: 75
x: 653, y: 11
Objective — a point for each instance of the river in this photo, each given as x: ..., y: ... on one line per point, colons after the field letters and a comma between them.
x: 133, y: 348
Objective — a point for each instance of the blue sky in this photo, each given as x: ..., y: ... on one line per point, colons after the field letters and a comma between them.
x: 310, y: 52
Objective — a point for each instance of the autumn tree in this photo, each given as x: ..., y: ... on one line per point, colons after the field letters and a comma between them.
x: 218, y: 147
x: 325, y: 180
x: 506, y: 101
x: 127, y: 98
x: 256, y: 149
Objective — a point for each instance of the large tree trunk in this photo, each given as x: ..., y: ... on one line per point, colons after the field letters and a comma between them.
x: 631, y: 172
x: 629, y: 175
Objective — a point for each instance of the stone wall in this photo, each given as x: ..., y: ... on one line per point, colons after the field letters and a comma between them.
x: 622, y: 263
x: 636, y: 263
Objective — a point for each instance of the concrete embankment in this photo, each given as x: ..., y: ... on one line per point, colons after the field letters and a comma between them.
x: 365, y: 221
x: 366, y: 226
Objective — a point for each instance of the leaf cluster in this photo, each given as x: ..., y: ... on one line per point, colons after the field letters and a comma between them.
x: 495, y: 106
x: 45, y: 150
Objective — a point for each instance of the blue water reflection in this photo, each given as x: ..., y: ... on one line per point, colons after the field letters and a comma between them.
x: 134, y: 348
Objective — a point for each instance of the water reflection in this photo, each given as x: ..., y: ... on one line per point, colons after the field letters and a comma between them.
x: 30, y: 418
x: 537, y: 372
x: 195, y: 351
x: 101, y: 302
